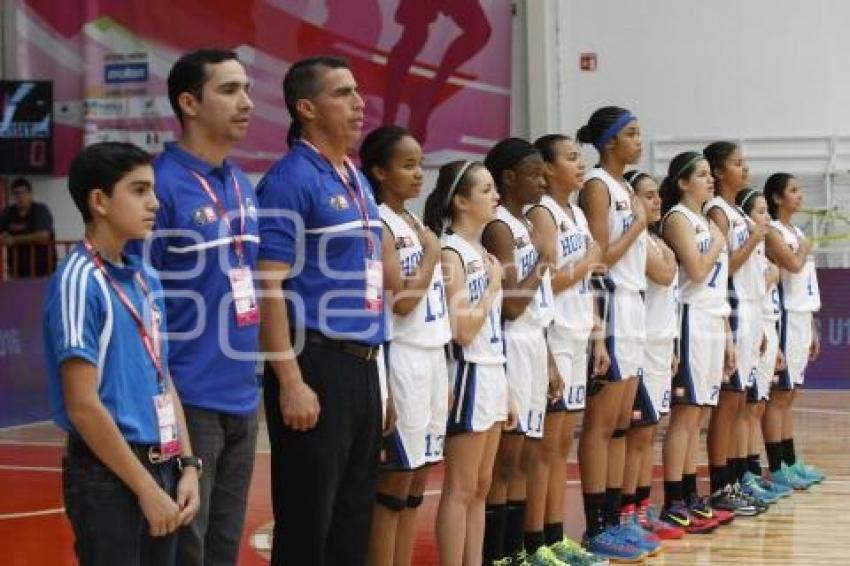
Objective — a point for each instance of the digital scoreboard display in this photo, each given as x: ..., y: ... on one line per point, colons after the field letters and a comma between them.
x: 26, y: 127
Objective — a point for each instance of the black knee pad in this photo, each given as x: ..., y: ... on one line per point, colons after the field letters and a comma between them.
x: 414, y: 501
x: 390, y: 502
x: 618, y: 433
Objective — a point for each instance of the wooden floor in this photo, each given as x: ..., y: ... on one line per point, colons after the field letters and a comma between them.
x: 808, y: 528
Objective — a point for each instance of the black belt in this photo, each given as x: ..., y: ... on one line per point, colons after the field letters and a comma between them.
x: 147, y: 453
x: 366, y: 352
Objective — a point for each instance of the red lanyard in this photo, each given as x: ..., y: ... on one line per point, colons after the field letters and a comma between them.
x: 151, y: 345
x: 222, y: 212
x: 356, y: 193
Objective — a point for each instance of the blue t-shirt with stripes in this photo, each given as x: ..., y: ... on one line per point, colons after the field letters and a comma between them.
x: 84, y: 318
x: 310, y: 221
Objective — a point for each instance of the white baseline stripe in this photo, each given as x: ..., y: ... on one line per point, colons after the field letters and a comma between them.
x: 25, y: 425
x: 12, y: 468
x: 26, y: 514
x: 17, y: 442
x: 211, y: 244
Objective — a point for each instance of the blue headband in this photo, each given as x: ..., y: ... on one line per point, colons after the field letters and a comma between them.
x: 612, y: 130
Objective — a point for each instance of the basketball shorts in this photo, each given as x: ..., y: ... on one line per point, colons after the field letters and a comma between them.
x: 479, y: 396
x: 702, y: 341
x: 526, y: 368
x: 625, y: 324
x: 652, y: 399
x: 748, y: 330
x: 420, y: 392
x: 795, y: 339
x: 571, y: 353
x: 765, y: 372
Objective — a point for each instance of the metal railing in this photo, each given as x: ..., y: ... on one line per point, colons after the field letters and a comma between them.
x: 22, y: 261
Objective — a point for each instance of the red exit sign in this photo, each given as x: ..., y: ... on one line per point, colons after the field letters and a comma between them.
x: 587, y: 62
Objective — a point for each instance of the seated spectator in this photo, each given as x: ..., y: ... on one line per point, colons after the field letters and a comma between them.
x: 26, y: 229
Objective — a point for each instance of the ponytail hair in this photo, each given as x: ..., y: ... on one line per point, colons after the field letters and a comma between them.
x: 453, y: 179
x: 377, y: 150
x: 635, y: 176
x: 603, y: 126
x: 681, y: 167
x: 717, y: 153
x: 774, y: 188
x: 546, y: 145
x: 747, y: 198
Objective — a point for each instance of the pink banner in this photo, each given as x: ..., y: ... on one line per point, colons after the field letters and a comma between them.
x: 440, y: 67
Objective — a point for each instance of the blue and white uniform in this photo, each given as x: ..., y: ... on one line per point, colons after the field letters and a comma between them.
x: 525, y: 345
x: 662, y: 330
x: 572, y: 322
x: 800, y: 297
x: 416, y: 359
x: 702, y: 339
x: 624, y: 309
x: 477, y: 370
x: 744, y: 297
x: 771, y: 310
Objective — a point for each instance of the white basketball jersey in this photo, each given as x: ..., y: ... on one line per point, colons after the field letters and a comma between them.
x: 573, y: 307
x: 708, y: 295
x: 799, y: 291
x: 539, y: 311
x: 662, y: 307
x: 427, y: 325
x: 487, y: 347
x: 744, y: 281
x: 630, y: 271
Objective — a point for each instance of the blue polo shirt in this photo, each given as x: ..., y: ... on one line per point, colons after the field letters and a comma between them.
x: 311, y: 221
x: 212, y: 359
x: 84, y: 318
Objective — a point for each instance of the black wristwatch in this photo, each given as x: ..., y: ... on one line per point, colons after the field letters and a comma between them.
x: 190, y: 462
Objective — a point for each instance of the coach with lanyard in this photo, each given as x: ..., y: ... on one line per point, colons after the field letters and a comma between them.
x: 322, y: 323
x: 205, y: 247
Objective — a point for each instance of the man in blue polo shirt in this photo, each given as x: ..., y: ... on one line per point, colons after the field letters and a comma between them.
x: 205, y: 247
x: 320, y: 261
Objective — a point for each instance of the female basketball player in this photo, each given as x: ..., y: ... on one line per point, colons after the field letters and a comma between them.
x: 517, y: 170
x: 652, y: 400
x: 617, y: 222
x: 727, y: 431
x: 770, y: 357
x: 576, y: 254
x: 463, y: 201
x: 416, y: 362
x: 798, y: 339
x: 704, y: 341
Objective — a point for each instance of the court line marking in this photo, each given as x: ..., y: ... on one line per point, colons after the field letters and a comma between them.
x: 821, y: 411
x: 13, y: 468
x: 19, y: 442
x: 24, y: 425
x: 25, y: 514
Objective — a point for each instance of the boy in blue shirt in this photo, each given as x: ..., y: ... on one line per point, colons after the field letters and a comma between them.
x: 103, y: 322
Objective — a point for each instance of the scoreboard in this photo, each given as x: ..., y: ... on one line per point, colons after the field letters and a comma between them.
x: 26, y: 127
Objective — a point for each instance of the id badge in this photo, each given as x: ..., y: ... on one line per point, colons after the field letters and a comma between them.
x: 244, y: 298
x: 169, y: 440
x: 374, y: 285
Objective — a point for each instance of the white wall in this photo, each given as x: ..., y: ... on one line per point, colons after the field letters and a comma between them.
x: 721, y: 68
